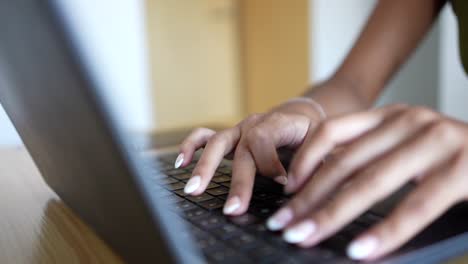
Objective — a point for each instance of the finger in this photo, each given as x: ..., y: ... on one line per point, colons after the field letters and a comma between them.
x: 435, y: 194
x: 328, y: 135
x: 375, y: 183
x: 272, y: 133
x: 243, y: 175
x: 197, y: 139
x: 335, y: 171
x: 217, y: 147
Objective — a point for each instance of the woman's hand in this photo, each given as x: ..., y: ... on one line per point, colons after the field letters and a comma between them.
x: 383, y: 149
x: 254, y: 143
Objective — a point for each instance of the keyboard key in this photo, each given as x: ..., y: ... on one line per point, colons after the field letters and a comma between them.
x: 199, y: 198
x: 225, y: 170
x: 218, y: 191
x: 184, y: 206
x: 244, y: 220
x: 212, y: 185
x: 169, y: 180
x: 221, y: 178
x: 226, y: 256
x: 261, y: 210
x: 175, y: 186
x: 226, y: 231
x: 222, y: 197
x: 174, y: 172
x: 212, y: 204
x: 174, y: 199
x: 243, y: 241
x: 210, y: 222
x: 196, y: 213
x: 183, y: 176
x: 181, y: 193
x: 264, y: 253
x: 206, y: 242
x: 226, y: 184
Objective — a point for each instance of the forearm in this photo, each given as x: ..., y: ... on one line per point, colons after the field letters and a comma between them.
x: 392, y: 32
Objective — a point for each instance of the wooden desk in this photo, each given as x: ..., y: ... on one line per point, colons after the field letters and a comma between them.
x: 36, y: 227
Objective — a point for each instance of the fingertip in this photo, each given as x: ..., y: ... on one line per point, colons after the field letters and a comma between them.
x: 290, y: 187
x: 179, y: 160
x: 232, y: 205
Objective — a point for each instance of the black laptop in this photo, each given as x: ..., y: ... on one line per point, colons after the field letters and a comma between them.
x: 134, y: 200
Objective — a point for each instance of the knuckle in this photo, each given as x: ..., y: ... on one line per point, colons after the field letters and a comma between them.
x: 325, y: 130
x: 417, y: 206
x: 342, y: 163
x: 199, y: 130
x: 442, y: 130
x: 299, y: 204
x: 390, y: 227
x: 256, y: 135
x: 418, y: 114
x: 370, y: 184
x: 253, y: 117
x: 328, y: 213
x: 276, y: 117
x: 218, y: 138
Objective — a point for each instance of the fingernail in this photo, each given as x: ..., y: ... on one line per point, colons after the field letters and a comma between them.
x: 300, y: 232
x: 289, y: 185
x: 280, y: 219
x: 192, y: 184
x: 179, y: 161
x: 362, y: 248
x: 281, y: 180
x: 232, y: 205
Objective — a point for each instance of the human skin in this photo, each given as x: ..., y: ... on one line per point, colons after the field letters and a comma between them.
x: 393, y: 31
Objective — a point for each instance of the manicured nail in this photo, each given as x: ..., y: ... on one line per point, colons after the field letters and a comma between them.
x: 179, y: 161
x: 300, y: 232
x: 232, y: 205
x: 362, y: 248
x: 192, y: 184
x: 280, y: 219
x: 281, y: 180
x: 288, y: 188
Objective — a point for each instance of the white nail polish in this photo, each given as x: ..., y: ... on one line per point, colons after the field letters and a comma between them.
x: 178, y: 162
x: 283, y: 180
x: 231, y: 205
x: 362, y: 248
x: 300, y: 232
x: 192, y: 185
x: 280, y: 219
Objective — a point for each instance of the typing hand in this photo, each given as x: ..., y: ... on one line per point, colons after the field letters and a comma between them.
x: 384, y: 149
x: 253, y: 144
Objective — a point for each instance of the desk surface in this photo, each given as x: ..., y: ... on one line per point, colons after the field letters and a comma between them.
x: 36, y: 227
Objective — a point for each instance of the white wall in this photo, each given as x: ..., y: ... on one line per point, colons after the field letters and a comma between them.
x: 112, y: 38
x: 453, y: 83
x: 431, y: 77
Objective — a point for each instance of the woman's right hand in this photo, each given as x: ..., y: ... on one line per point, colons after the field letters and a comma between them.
x: 253, y: 143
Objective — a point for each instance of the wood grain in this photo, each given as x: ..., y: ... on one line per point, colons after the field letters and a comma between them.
x: 35, y: 226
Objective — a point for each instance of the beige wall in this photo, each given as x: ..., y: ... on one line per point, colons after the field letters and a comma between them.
x: 275, y: 44
x: 214, y: 61
x: 194, y: 61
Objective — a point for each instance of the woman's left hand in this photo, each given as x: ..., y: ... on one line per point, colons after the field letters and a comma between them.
x: 383, y: 149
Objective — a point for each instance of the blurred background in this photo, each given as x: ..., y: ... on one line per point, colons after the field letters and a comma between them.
x: 169, y: 64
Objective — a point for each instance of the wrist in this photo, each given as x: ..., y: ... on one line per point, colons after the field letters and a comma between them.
x: 303, y: 106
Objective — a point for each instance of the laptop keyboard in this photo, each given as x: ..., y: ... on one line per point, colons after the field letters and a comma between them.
x: 243, y: 239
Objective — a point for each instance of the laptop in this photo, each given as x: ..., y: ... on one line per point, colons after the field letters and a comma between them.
x: 134, y: 200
